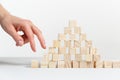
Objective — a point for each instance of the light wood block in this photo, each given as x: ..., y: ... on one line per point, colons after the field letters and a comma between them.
x: 72, y: 23
x: 55, y: 57
x: 77, y: 43
x: 56, y: 43
x: 61, y: 64
x: 72, y: 50
x: 116, y: 64
x: 67, y: 30
x: 78, y: 57
x: 77, y: 30
x: 62, y: 50
x: 35, y: 64
x: 61, y: 57
x: 72, y: 36
x: 44, y: 61
x: 88, y: 43
x: 61, y: 37
x: 83, y: 64
x: 90, y: 64
x: 68, y: 64
x: 107, y: 64
x: 75, y: 64
x: 89, y: 58
x: 52, y: 64
x: 82, y: 37
x: 67, y: 43
x: 83, y: 50
x: 51, y: 50
x: 99, y: 64
x: 96, y: 57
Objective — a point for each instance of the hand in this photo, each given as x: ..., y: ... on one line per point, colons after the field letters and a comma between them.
x: 12, y: 25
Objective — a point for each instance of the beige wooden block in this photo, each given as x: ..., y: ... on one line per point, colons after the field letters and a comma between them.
x: 72, y: 36
x: 94, y: 50
x: 55, y: 57
x: 90, y: 64
x: 61, y: 64
x: 75, y: 64
x: 77, y: 30
x: 83, y: 64
x: 67, y: 30
x: 116, y: 64
x: 61, y: 37
x: 44, y: 62
x: 61, y: 57
x: 62, y: 50
x: 88, y: 43
x: 56, y: 43
x: 99, y: 64
x: 77, y: 43
x: 67, y: 57
x: 82, y: 37
x: 89, y: 58
x: 83, y: 50
x: 51, y: 50
x: 34, y: 64
x: 67, y: 43
x: 72, y: 23
x: 107, y: 64
x: 96, y: 57
x: 52, y: 64
x: 78, y: 57
x: 72, y: 50
x: 68, y: 64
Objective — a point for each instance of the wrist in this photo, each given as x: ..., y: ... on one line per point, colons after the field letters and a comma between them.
x: 3, y: 13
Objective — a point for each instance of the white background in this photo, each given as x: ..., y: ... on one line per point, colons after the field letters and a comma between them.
x: 99, y: 19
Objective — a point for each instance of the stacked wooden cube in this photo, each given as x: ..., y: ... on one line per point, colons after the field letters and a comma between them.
x: 73, y: 50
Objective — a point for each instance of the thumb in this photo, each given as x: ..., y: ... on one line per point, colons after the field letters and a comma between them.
x: 18, y: 39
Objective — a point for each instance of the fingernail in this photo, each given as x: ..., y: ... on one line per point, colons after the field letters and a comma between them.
x: 19, y: 43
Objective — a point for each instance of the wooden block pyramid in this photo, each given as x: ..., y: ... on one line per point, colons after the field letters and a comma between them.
x: 73, y: 50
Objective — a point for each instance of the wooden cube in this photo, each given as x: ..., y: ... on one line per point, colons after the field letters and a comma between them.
x: 96, y: 57
x: 75, y: 64
x: 77, y: 43
x: 56, y: 43
x: 72, y: 50
x: 67, y: 57
x: 62, y: 50
x: 67, y: 43
x: 77, y: 30
x: 99, y: 64
x: 68, y: 64
x: 52, y: 64
x: 55, y: 57
x: 116, y: 64
x: 67, y: 30
x: 83, y: 50
x: 72, y: 36
x: 82, y: 37
x: 61, y: 57
x: 88, y: 43
x: 72, y: 23
x: 83, y: 64
x: 107, y: 64
x: 78, y: 57
x: 90, y: 64
x: 61, y: 64
x: 34, y: 64
x: 51, y: 50
x: 61, y: 37
x: 89, y: 58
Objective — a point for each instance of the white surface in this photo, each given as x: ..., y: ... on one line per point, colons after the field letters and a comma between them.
x: 100, y: 19
x: 10, y: 72
x: 19, y: 69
